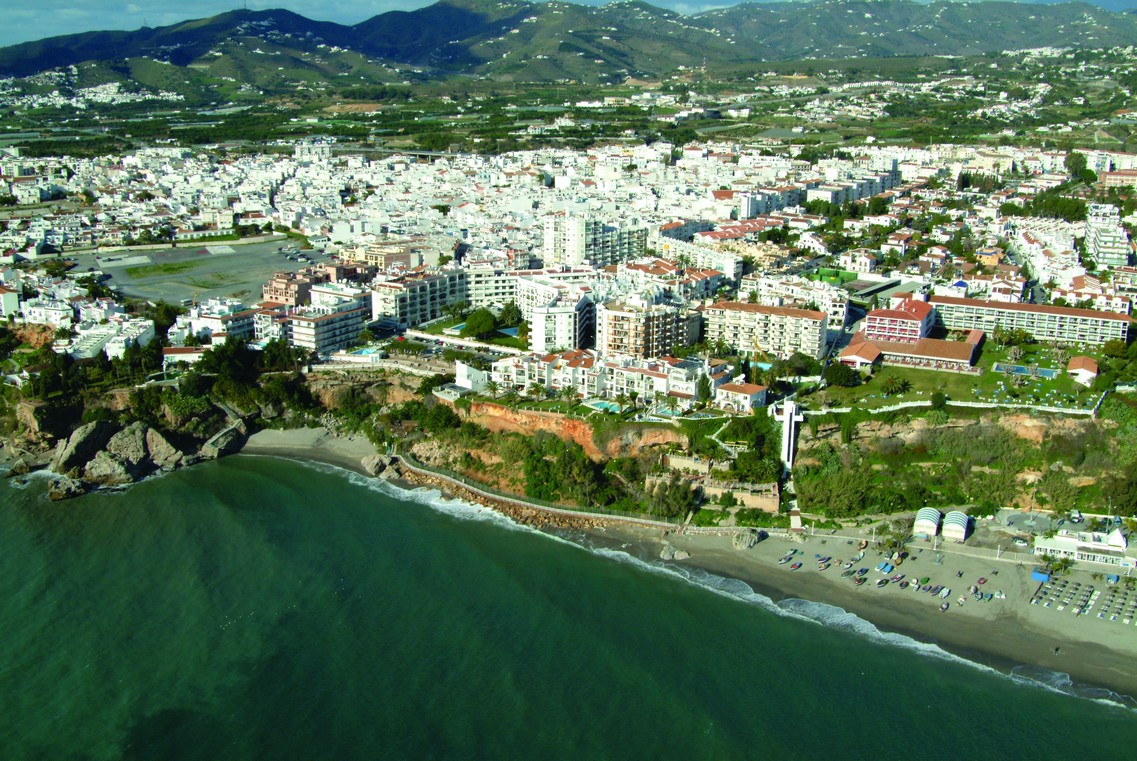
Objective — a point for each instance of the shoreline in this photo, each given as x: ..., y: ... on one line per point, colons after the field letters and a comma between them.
x: 1004, y: 635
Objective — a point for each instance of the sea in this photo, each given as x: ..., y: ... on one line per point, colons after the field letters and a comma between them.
x: 266, y: 608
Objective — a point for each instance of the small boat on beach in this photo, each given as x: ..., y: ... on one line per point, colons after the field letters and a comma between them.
x: 795, y: 566
x: 823, y: 567
x: 882, y: 584
x: 859, y: 557
x: 864, y: 543
x: 945, y: 593
x: 825, y: 559
x: 982, y: 580
x: 904, y: 585
x: 944, y: 607
x: 785, y: 559
x: 925, y: 580
x: 847, y: 564
x: 898, y: 578
x: 859, y: 580
x: 862, y: 571
x: 847, y: 574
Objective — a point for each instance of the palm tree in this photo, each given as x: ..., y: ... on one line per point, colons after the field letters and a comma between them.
x: 493, y: 387
x: 633, y: 395
x: 568, y: 393
x: 672, y: 404
x: 622, y: 400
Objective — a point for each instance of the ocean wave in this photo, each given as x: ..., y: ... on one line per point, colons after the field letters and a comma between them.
x: 433, y: 498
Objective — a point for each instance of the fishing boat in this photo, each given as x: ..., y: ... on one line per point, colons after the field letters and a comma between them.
x: 847, y: 564
x: 904, y: 585
x: 898, y: 578
x: 945, y: 592
x: 925, y: 580
x: 864, y: 543
x: 785, y: 559
x: 825, y: 559
x: 982, y: 579
x: 859, y: 557
x: 823, y: 567
x: 795, y: 566
x: 862, y: 571
x: 847, y: 574
x: 859, y: 580
x: 944, y: 607
x: 882, y: 584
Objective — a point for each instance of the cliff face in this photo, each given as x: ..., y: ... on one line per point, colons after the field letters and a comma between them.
x: 629, y: 442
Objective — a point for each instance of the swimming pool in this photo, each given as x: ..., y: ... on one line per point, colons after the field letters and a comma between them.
x: 602, y: 405
x: 1041, y: 372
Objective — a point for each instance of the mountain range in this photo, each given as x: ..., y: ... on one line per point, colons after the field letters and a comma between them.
x: 514, y: 40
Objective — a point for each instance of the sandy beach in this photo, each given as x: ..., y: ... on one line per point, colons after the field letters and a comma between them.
x: 315, y: 444
x: 1001, y: 633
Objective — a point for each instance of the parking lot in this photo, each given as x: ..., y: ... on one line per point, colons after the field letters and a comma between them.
x: 199, y: 271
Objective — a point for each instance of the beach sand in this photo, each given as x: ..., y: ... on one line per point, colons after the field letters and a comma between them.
x: 314, y: 444
x: 1000, y: 633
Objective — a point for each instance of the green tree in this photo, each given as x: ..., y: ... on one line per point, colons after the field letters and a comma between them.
x: 703, y: 389
x: 479, y: 323
x: 510, y: 315
x: 837, y: 374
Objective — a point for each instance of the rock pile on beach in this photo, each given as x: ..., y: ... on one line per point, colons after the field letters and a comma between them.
x: 103, y: 454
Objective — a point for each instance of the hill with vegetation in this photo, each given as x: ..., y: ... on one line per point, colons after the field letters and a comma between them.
x: 552, y: 41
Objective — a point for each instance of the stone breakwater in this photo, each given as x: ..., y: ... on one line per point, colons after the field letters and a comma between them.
x: 517, y: 509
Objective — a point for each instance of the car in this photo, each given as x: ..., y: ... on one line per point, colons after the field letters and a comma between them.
x: 1019, y: 541
x: 1076, y: 516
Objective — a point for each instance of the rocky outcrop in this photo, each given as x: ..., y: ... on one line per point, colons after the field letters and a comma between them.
x: 163, y: 454
x: 102, y: 455
x: 745, y: 539
x: 19, y: 468
x: 105, y: 469
x: 81, y: 446
x: 128, y: 446
x: 65, y: 488
x: 376, y: 464
x: 226, y: 442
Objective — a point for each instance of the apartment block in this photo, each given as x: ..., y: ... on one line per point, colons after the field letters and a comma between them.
x: 1051, y: 324
x: 415, y: 298
x: 757, y: 329
x: 636, y: 327
x: 324, y: 329
x: 573, y: 241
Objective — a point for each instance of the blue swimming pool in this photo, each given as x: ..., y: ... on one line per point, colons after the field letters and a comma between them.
x: 1041, y: 372
x: 603, y: 406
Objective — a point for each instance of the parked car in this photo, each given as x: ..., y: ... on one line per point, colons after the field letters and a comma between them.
x: 1076, y: 516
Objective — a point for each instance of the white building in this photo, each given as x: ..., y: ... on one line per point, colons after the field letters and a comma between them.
x: 1108, y: 549
x: 755, y: 329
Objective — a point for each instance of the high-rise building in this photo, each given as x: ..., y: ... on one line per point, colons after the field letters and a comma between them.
x: 572, y: 241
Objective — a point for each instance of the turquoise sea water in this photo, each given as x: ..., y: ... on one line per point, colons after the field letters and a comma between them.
x: 257, y: 608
